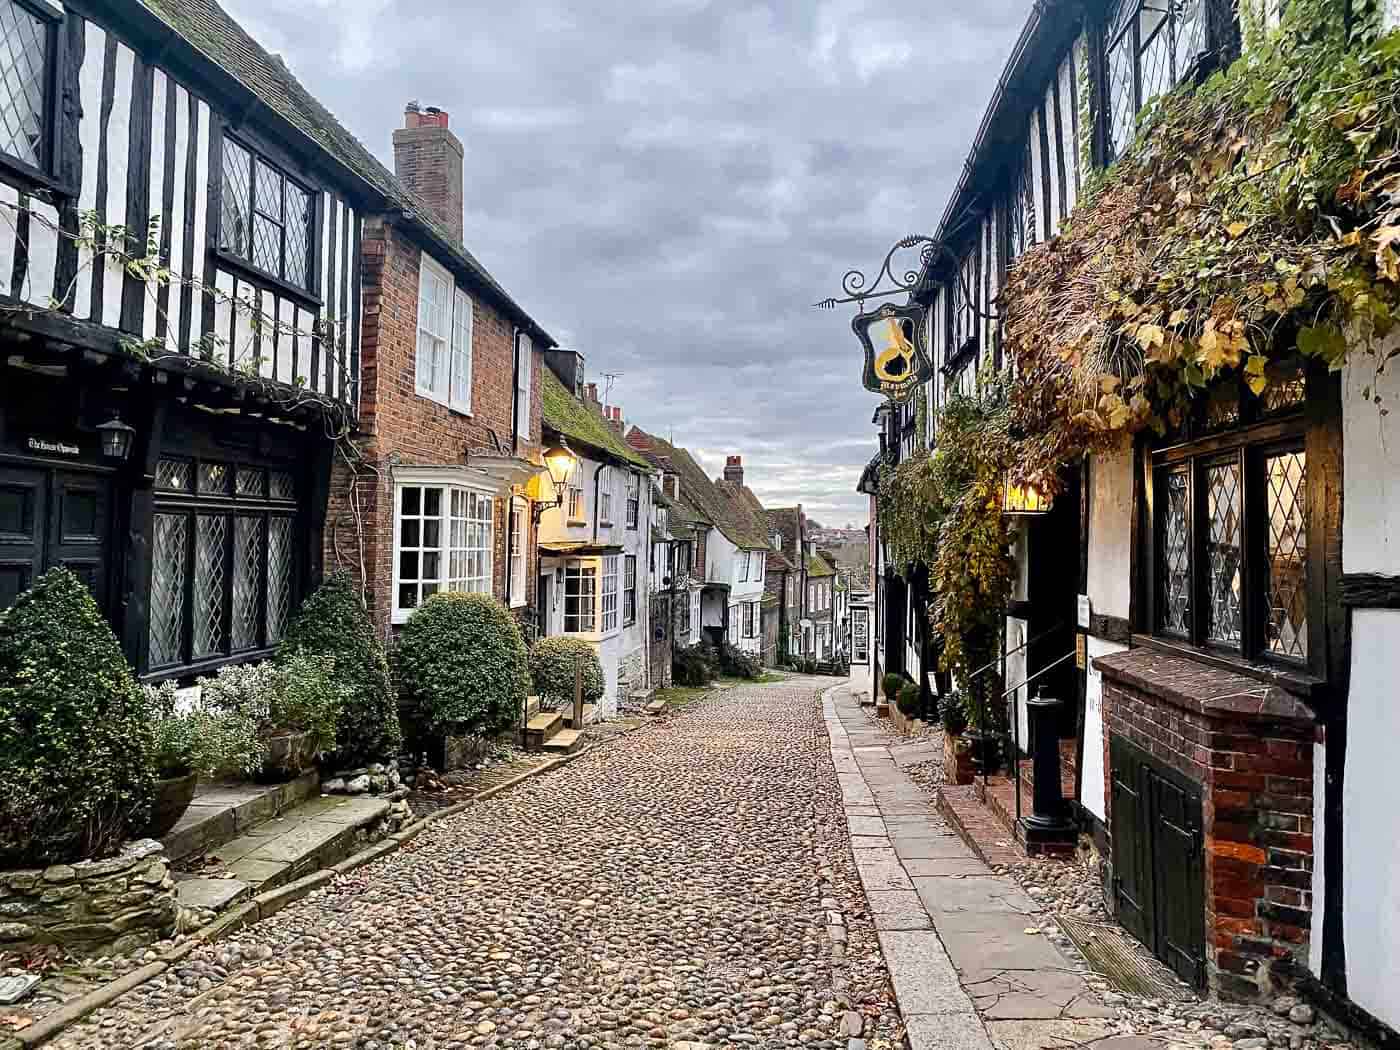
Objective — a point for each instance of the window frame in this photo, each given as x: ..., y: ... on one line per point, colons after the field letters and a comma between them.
x: 309, y: 293
x: 515, y: 519
x: 575, y: 511
x: 577, y: 570
x: 608, y: 588
x: 56, y: 60
x: 605, y: 496
x: 191, y: 502
x: 634, y: 500
x: 524, y: 361
x: 629, y: 590
x: 1247, y: 444
x: 448, y: 550
x: 455, y: 340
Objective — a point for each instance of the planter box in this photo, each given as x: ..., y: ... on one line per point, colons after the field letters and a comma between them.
x: 957, y: 760
x: 903, y: 724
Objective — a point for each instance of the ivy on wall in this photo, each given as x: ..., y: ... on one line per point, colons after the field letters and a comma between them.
x: 1255, y: 217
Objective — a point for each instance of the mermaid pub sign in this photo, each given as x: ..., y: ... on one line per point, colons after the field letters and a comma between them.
x: 894, y: 339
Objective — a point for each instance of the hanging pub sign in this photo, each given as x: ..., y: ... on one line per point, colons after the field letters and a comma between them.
x: 895, y: 362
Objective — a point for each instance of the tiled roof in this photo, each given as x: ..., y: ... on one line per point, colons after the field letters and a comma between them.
x: 567, y: 415
x: 704, y: 496
x: 819, y: 566
x: 209, y: 29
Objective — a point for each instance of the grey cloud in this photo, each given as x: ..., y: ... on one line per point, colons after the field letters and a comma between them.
x: 670, y: 185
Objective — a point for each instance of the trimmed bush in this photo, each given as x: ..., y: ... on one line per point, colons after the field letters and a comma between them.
x: 334, y: 622
x: 552, y: 670
x: 736, y: 662
x: 908, y: 701
x: 76, y: 737
x: 694, y: 666
x: 462, y: 666
x: 891, y: 684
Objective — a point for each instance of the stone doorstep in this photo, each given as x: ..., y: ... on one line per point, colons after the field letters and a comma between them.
x: 590, y: 715
x: 222, y: 812
x: 564, y: 742
x: 541, y: 729
x: 317, y: 834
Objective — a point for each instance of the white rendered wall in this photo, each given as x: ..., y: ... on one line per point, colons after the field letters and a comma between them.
x: 1091, y: 791
x: 1371, y: 471
x: 1016, y: 672
x: 1110, y: 531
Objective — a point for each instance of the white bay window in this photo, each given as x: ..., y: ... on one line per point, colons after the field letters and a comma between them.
x: 443, y: 541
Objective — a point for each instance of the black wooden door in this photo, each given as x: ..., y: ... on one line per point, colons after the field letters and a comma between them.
x: 23, y: 520
x: 1158, y: 867
x: 53, y: 517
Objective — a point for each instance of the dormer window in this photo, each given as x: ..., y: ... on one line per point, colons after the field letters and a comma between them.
x: 265, y: 217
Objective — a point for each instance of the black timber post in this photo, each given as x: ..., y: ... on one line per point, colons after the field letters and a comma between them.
x: 135, y: 587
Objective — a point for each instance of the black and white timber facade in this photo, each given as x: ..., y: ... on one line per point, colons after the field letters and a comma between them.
x: 236, y: 373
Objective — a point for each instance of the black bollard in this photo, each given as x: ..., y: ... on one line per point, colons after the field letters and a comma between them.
x: 1048, y: 827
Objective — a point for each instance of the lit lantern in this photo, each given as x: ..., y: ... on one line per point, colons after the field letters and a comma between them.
x: 1023, y: 499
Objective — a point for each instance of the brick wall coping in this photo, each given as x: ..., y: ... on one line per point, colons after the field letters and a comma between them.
x: 1202, y: 689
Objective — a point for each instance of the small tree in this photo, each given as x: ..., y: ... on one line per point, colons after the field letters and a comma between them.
x: 334, y: 622
x: 462, y: 666
x: 552, y: 663
x: 76, y: 736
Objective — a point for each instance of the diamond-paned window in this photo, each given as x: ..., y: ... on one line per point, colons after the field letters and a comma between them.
x: 1286, y: 390
x: 265, y: 217
x: 26, y: 47
x: 1223, y: 552
x: 1175, y: 555
x: 1287, y: 476
x: 1230, y: 536
x: 224, y: 562
x: 1151, y: 46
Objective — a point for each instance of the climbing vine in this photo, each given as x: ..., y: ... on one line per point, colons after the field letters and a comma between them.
x: 1255, y: 218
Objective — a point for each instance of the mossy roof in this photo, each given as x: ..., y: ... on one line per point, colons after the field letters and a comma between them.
x: 570, y: 417
x: 706, y: 499
x: 819, y: 566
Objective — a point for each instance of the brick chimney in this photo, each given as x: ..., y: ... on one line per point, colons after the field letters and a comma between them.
x: 734, y: 469
x: 428, y: 159
x: 613, y: 415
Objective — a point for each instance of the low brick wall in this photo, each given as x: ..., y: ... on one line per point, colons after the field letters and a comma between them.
x: 95, y: 907
x: 1248, y: 746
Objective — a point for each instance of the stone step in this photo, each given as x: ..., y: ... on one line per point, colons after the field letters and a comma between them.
x: 212, y: 895
x: 532, y: 706
x: 221, y: 812
x: 541, y: 728
x: 590, y: 714
x: 564, y: 742
x: 656, y: 707
x: 316, y: 834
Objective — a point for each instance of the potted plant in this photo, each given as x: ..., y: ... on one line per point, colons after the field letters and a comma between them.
x: 890, y: 685
x: 193, y: 743
x: 908, y: 702
x: 957, y: 755
x: 294, y: 705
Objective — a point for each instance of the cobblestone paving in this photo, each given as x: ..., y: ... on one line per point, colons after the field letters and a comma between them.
x: 671, y: 888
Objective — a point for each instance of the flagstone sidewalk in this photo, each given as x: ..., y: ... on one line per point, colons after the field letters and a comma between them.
x: 962, y: 944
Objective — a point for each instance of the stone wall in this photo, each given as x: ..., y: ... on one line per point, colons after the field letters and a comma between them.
x: 95, y: 907
x: 1248, y: 745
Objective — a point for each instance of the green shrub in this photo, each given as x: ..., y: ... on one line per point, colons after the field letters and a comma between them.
x: 891, y: 684
x: 201, y: 739
x: 552, y: 663
x: 301, y: 694
x: 462, y: 666
x: 736, y: 662
x: 334, y: 622
x: 953, y: 713
x: 694, y: 666
x: 908, y: 700
x: 75, y: 730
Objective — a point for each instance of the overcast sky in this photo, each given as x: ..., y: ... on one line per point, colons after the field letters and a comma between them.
x: 668, y: 185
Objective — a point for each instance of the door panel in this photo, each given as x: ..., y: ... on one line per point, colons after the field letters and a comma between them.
x: 78, y: 528
x: 23, y: 502
x: 1130, y: 878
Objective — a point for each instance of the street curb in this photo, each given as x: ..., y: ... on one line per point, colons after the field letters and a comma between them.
x: 263, y: 906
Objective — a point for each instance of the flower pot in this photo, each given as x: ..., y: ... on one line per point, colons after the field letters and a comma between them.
x: 172, y: 798
x: 957, y: 759
x: 289, y: 754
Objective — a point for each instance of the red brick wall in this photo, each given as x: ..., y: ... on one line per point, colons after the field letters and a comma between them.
x: 428, y: 158
x: 395, y: 421
x: 1257, y: 800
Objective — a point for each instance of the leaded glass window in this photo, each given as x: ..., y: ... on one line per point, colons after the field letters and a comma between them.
x: 223, y: 561
x: 265, y: 218
x: 26, y: 52
x: 1152, y: 45
x: 1229, y: 544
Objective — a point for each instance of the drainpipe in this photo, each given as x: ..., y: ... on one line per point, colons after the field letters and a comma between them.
x: 597, y: 479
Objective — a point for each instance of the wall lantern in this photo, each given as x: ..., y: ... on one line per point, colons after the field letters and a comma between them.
x: 116, y: 439
x: 893, y: 338
x: 1024, y: 500
x: 562, y: 464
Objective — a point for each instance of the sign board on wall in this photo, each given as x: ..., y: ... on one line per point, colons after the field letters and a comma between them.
x: 53, y: 447
x: 1081, y: 650
x: 1086, y: 612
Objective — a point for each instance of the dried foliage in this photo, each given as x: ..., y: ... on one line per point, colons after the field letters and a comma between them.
x: 1255, y: 217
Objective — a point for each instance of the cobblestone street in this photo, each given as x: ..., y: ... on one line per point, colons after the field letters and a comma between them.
x: 670, y: 888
